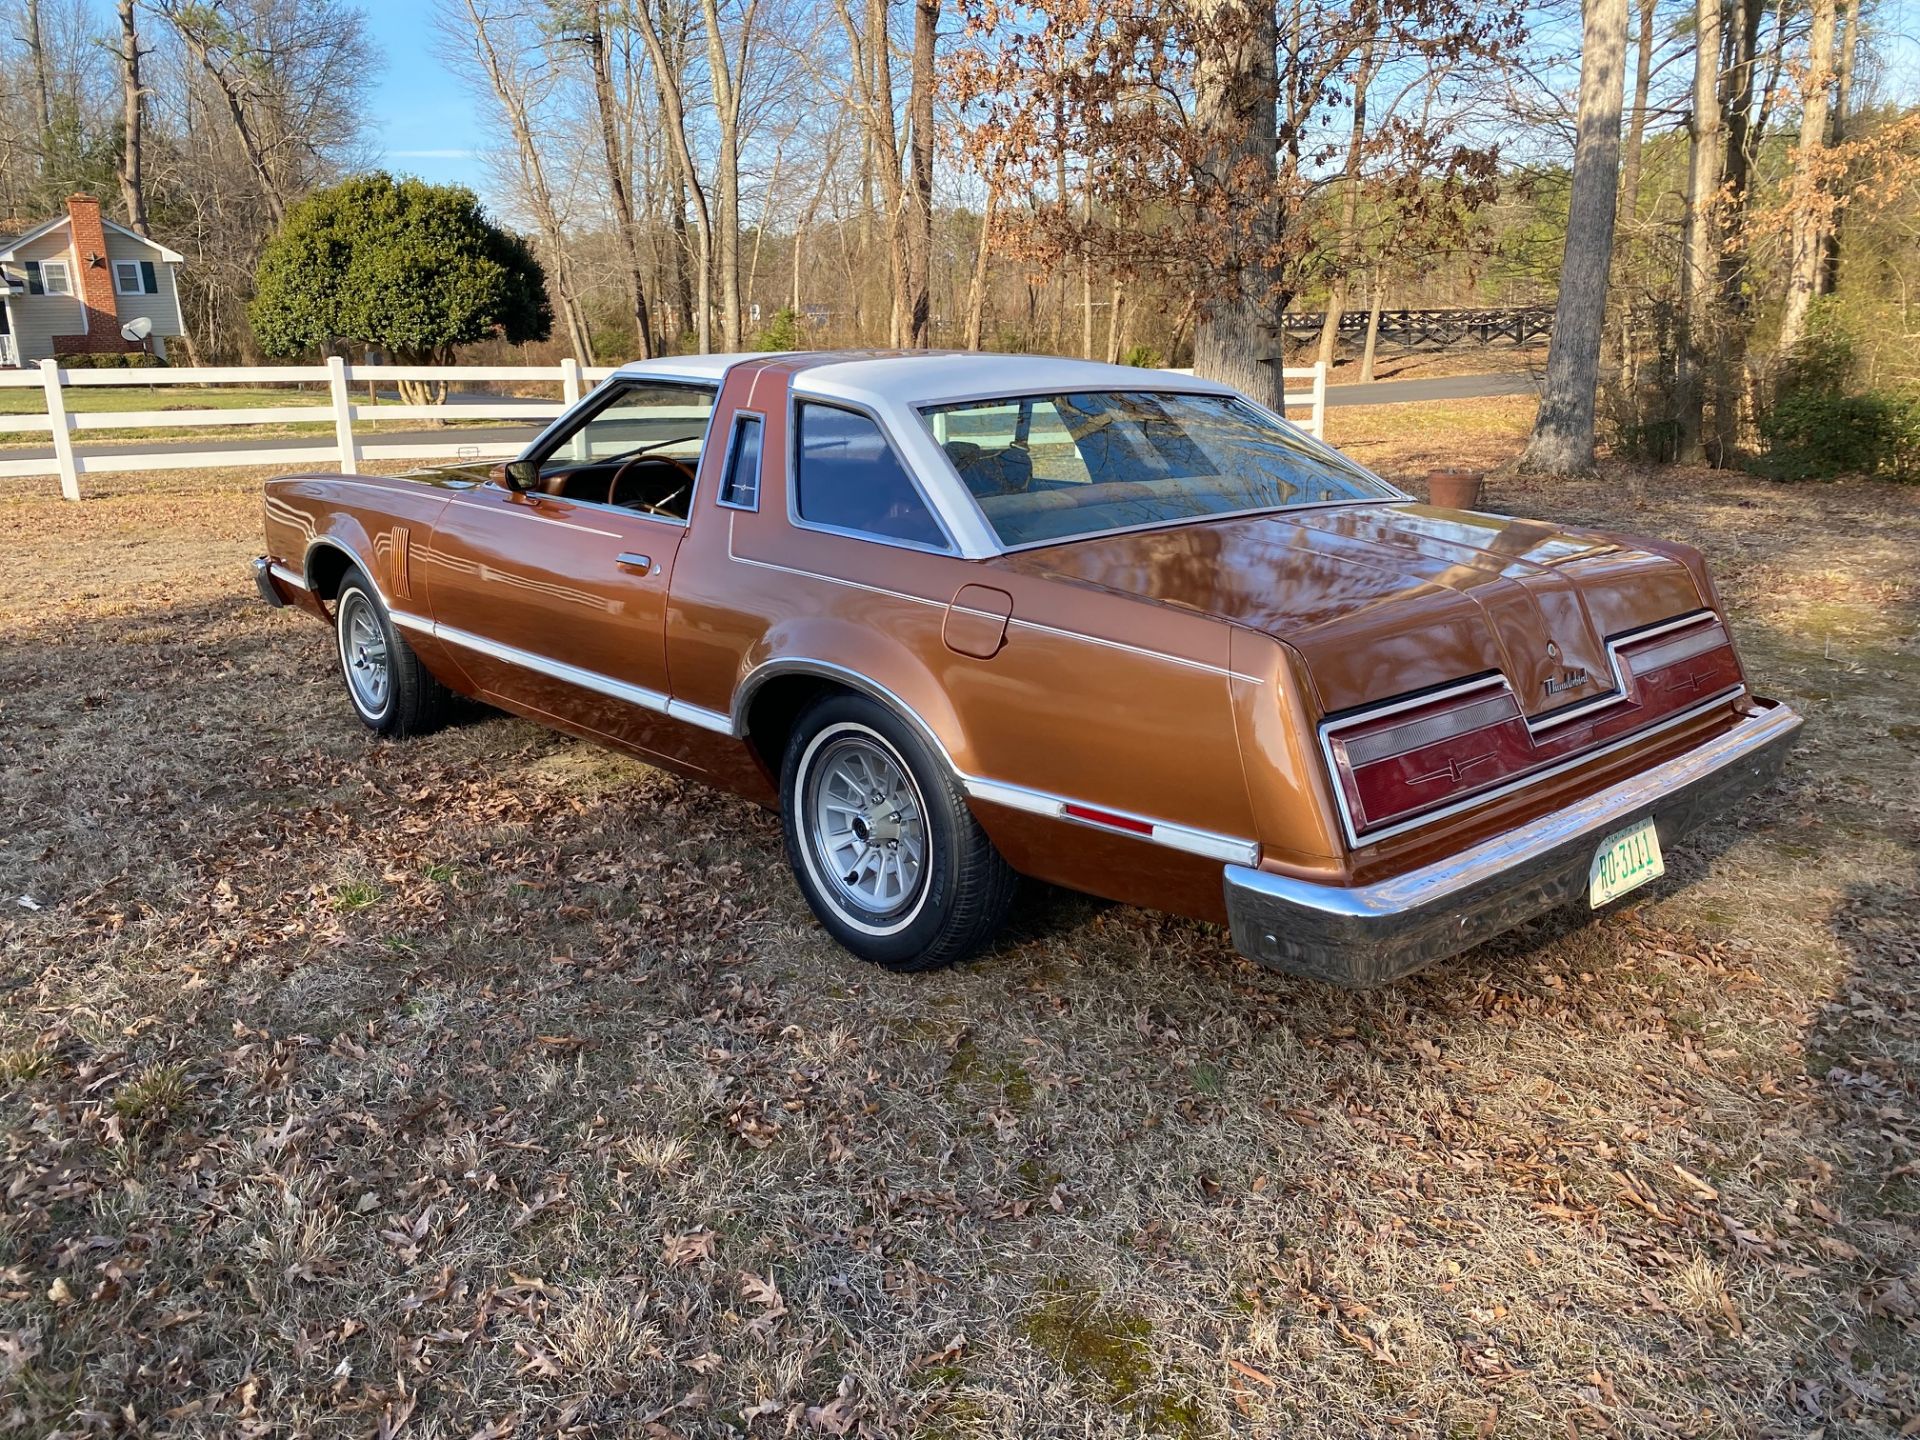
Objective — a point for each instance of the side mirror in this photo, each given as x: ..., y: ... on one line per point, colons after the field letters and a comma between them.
x: 521, y: 476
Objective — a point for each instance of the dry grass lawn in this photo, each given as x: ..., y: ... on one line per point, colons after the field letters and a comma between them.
x: 492, y: 1084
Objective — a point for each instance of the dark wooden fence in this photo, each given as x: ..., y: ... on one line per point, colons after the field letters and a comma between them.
x: 1434, y: 329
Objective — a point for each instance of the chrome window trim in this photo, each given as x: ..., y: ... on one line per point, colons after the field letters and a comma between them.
x: 726, y: 462
x: 601, y: 505
x: 795, y: 399
x: 1196, y: 520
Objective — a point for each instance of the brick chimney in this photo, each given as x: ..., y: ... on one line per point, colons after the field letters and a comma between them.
x: 93, y: 283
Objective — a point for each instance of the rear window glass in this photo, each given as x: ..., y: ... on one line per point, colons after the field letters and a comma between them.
x: 1056, y: 467
x: 848, y: 477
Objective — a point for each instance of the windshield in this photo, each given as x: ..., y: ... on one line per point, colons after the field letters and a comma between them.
x: 1053, y: 467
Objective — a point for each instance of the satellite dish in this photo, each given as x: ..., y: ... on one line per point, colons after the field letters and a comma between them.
x: 137, y: 330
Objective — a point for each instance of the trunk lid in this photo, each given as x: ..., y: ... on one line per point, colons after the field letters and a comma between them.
x: 1385, y: 600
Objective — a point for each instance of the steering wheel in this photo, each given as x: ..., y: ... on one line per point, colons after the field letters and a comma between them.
x: 654, y: 508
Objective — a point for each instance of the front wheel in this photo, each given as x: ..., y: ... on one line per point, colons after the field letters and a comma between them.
x: 881, y: 840
x: 391, y: 691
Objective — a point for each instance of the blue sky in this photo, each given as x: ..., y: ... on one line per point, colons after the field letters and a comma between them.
x: 425, y: 119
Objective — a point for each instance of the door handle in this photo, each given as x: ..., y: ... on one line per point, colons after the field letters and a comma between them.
x: 629, y: 560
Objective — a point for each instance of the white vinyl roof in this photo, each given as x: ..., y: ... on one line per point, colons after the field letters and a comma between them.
x: 886, y: 381
x: 685, y: 367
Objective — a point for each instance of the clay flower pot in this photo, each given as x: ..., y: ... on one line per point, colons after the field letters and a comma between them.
x: 1454, y: 489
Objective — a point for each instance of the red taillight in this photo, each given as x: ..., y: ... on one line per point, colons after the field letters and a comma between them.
x: 1409, y: 760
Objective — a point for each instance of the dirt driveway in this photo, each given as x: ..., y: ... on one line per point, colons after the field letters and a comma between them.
x: 493, y: 1084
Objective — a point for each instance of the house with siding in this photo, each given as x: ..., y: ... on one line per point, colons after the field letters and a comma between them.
x: 70, y: 285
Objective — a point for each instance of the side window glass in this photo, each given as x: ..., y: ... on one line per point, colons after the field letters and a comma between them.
x: 741, y: 488
x: 668, y: 421
x: 848, y: 477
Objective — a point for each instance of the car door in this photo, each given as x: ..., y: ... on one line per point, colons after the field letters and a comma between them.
x: 555, y: 604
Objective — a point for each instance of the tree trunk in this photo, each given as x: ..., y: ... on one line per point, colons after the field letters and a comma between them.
x: 763, y: 223
x: 186, y: 22
x: 133, y: 192
x: 615, y: 151
x: 1115, y: 302
x: 1235, y: 101
x: 1086, y: 273
x: 977, y: 295
x: 1736, y: 114
x: 1637, y: 117
x: 1698, y: 270
x: 680, y: 250
x: 1060, y: 199
x: 668, y: 80
x: 725, y: 77
x: 1373, y: 332
x: 926, y: 34
x: 1562, y: 439
x: 1348, y: 241
x: 42, y: 82
x: 508, y: 90
x: 872, y: 66
x: 1848, y: 44
x: 1807, y: 245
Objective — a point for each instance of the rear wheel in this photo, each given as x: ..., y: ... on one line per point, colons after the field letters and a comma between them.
x: 881, y: 840
x: 391, y: 691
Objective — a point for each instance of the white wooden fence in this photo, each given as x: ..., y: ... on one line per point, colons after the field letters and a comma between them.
x: 347, y: 448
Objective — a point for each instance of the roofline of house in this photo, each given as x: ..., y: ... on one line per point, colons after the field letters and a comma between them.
x: 49, y: 226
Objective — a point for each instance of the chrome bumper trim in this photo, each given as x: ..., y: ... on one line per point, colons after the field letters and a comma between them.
x: 263, y: 582
x: 1370, y: 934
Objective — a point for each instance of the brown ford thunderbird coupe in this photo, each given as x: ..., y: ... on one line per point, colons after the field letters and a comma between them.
x: 962, y: 618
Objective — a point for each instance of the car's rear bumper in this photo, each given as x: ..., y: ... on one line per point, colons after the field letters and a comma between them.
x: 1369, y: 934
x: 264, y: 582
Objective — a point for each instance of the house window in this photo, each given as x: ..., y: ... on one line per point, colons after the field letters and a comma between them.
x: 126, y: 278
x: 55, y: 277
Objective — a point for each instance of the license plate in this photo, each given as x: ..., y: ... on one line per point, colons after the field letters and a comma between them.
x: 1626, y: 859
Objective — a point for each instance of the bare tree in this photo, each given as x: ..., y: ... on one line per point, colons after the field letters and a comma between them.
x: 489, y: 41
x: 870, y: 52
x: 1563, y: 436
x: 977, y: 293
x: 661, y: 34
x: 219, y: 50
x: 1837, y: 128
x: 1235, y: 114
x: 1698, y: 268
x: 1348, y: 242
x: 613, y: 146
x: 726, y: 71
x: 133, y: 112
x: 1807, y: 242
x: 926, y: 32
